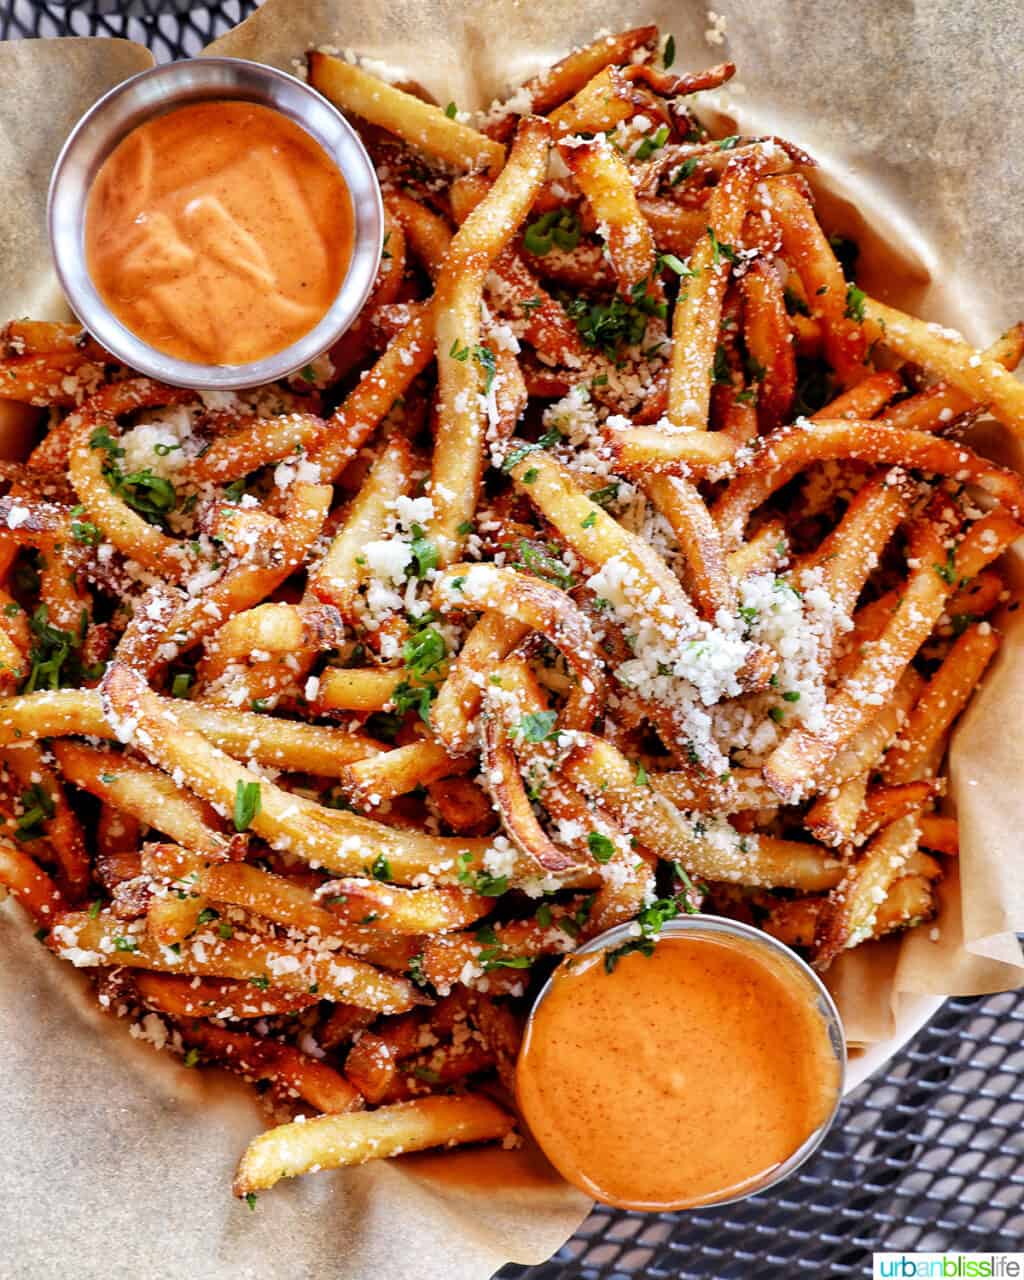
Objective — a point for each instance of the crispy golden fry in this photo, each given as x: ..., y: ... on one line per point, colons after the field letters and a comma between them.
x: 357, y: 688
x: 938, y: 406
x: 254, y: 445
x: 415, y: 911
x: 918, y: 750
x: 852, y: 908
x: 766, y: 332
x: 88, y: 941
x: 791, y: 450
x: 984, y: 379
x: 568, y: 76
x: 940, y: 834
x: 372, y: 1062
x: 330, y: 1142
x: 344, y: 568
x: 808, y: 248
x: 463, y: 379
x: 460, y: 695
x: 395, y: 773
x: 422, y: 125
x: 30, y: 885
x: 224, y: 998
x: 145, y: 793
x: 884, y: 804
x: 428, y: 234
x: 258, y: 1058
x: 539, y: 607
x: 707, y: 579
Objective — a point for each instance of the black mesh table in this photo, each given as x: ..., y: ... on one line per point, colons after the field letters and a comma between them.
x: 928, y: 1154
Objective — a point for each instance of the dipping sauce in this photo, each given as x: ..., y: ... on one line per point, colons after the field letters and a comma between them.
x: 680, y: 1078
x: 219, y: 233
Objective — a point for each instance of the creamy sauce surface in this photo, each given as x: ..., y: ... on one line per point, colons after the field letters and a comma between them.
x: 219, y: 233
x: 678, y: 1078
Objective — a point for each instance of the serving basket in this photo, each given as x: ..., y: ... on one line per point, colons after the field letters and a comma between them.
x: 928, y: 1151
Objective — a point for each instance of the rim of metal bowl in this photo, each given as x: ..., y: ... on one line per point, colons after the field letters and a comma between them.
x: 722, y: 925
x: 161, y: 89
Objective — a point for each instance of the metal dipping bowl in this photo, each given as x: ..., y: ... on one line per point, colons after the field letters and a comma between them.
x: 777, y: 955
x: 178, y: 84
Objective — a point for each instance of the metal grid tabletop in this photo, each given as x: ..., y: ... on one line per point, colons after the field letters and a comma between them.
x: 927, y: 1155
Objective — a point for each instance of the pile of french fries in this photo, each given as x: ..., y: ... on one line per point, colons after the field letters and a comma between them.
x: 624, y: 559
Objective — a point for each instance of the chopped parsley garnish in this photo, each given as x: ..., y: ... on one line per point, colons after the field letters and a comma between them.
x: 150, y: 495
x: 536, y: 561
x: 124, y: 944
x: 795, y: 305
x: 653, y: 142
x: 600, y: 846
x: 558, y: 228
x: 607, y: 493
x: 380, y: 868
x: 250, y: 1200
x: 206, y: 915
x: 424, y: 652
x: 55, y: 656
x: 721, y: 374
x: 685, y: 170
x: 610, y: 325
x: 947, y: 571
x: 451, y: 110
x: 247, y: 804
x: 719, y: 250
x: 481, y: 882
x: 727, y: 144
x: 537, y: 726
x: 641, y: 779
x: 855, y: 303
x: 424, y: 552
x: 650, y: 921
x: 668, y: 55
x: 37, y: 806
x: 180, y: 684
x: 261, y: 982
x: 416, y: 970
x: 847, y: 252
x: 590, y: 521
x: 192, y: 1058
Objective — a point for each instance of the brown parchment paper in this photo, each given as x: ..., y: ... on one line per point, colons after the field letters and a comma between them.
x: 114, y: 1160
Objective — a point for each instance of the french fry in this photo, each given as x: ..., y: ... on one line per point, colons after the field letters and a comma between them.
x: 568, y: 76
x: 458, y: 700
x: 395, y: 773
x: 541, y: 608
x: 414, y: 911
x: 457, y: 465
x: 791, y: 450
x: 225, y: 998
x: 428, y: 234
x: 344, y: 567
x: 260, y: 1058
x: 30, y: 884
x: 422, y: 125
x: 985, y: 380
x: 256, y: 444
x: 145, y: 793
x: 707, y: 579
x: 850, y: 914
x: 940, y: 834
x: 937, y: 406
x: 766, y: 332
x: 918, y: 751
x: 357, y: 688
x: 103, y: 940
x: 330, y: 1142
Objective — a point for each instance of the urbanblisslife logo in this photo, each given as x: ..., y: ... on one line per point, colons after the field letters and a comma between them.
x: 946, y: 1266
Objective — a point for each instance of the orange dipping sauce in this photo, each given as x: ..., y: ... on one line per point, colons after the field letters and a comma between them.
x: 219, y: 233
x: 679, y: 1079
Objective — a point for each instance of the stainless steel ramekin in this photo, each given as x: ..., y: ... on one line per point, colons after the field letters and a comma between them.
x: 153, y: 93
x: 722, y: 927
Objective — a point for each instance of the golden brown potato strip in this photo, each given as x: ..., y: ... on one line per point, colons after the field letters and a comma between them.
x: 942, y: 835
x: 214, y: 997
x: 275, y: 629
x: 884, y: 804
x: 834, y: 817
x: 464, y: 377
x: 850, y: 913
x: 546, y: 326
x: 44, y: 803
x: 428, y: 234
x: 676, y: 228
x: 547, y: 90
x: 293, y: 1072
x: 542, y: 608
x: 356, y: 688
x: 329, y: 1142
x: 30, y: 884
x: 938, y: 406
x: 395, y: 773
x: 344, y: 568
x: 421, y: 124
x: 145, y: 793
x: 791, y: 450
x: 985, y: 380
x: 458, y: 700
x: 51, y: 379
x: 414, y: 911
x: 794, y: 764
x: 603, y: 176
x: 256, y: 444
x: 251, y: 579
x: 707, y: 579
x: 103, y: 940
x: 699, y: 307
x: 806, y: 246
x: 372, y: 1062
x: 439, y: 1069
x: 766, y: 332
x: 918, y: 751
x: 125, y: 528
